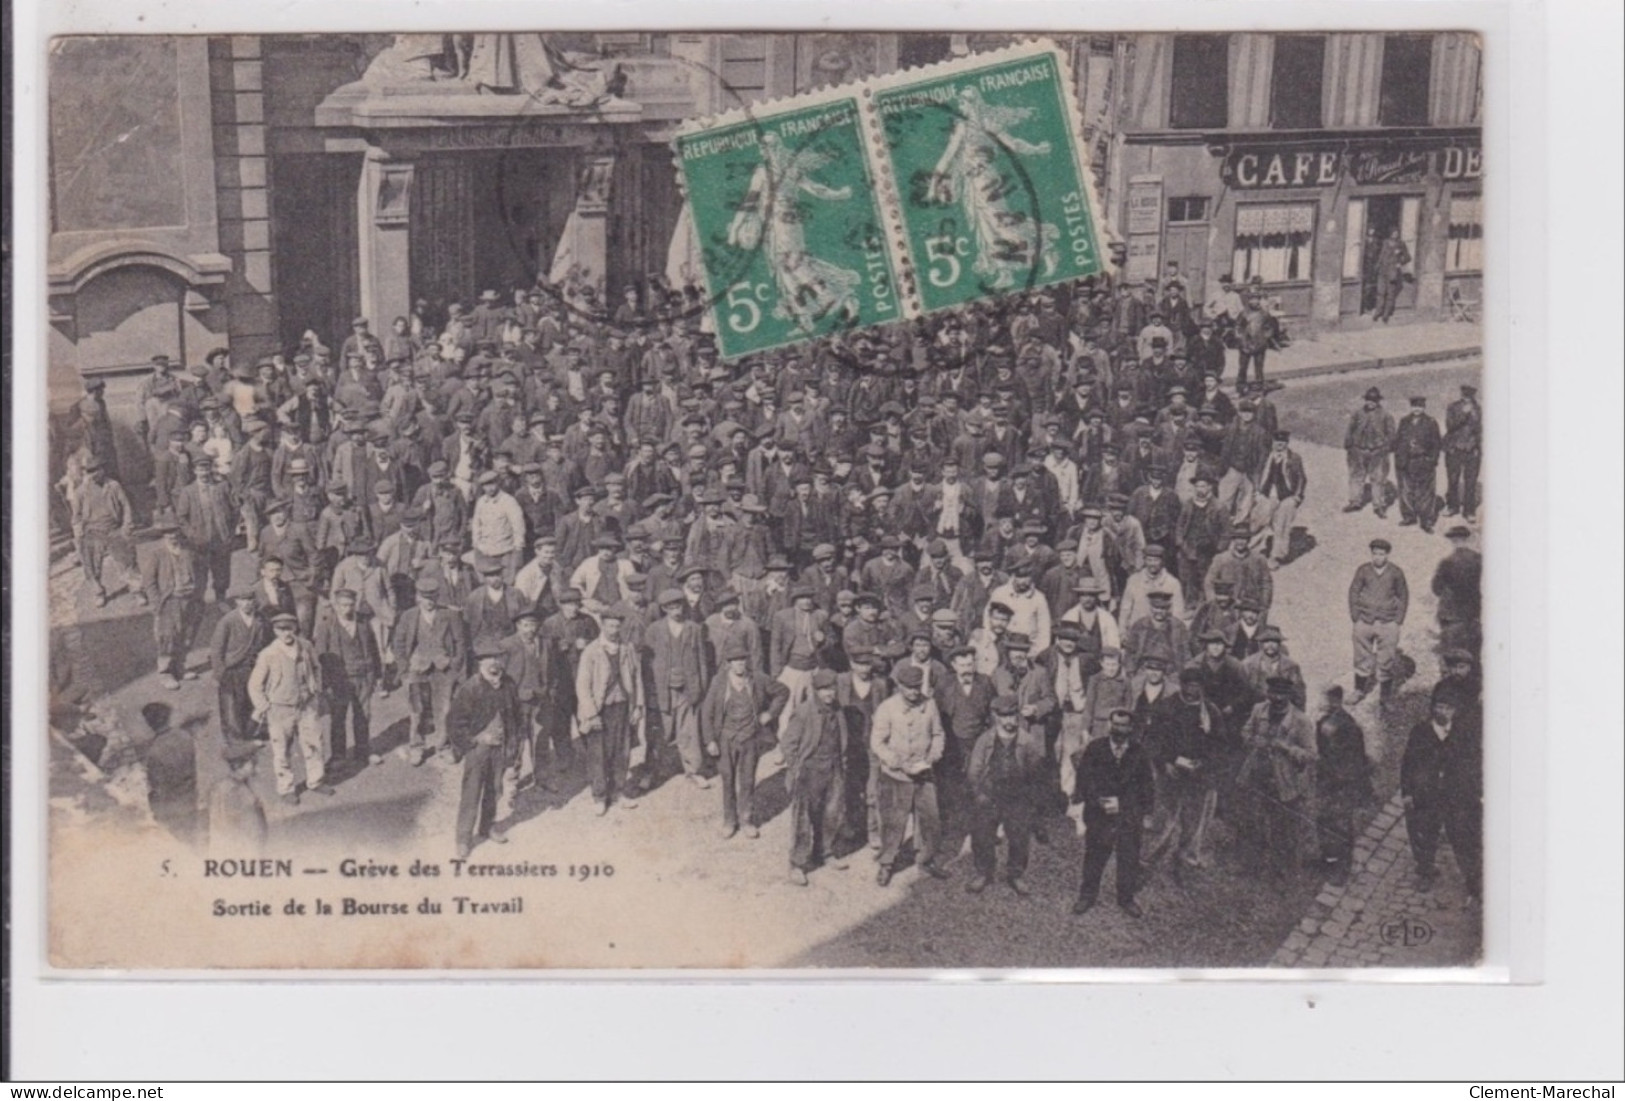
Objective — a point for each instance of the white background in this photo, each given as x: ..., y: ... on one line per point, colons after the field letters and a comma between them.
x: 1553, y: 594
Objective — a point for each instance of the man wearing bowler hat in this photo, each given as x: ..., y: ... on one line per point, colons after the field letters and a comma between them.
x: 1417, y: 446
x: 1367, y: 444
x: 1116, y: 790
x: 815, y: 747
x: 487, y: 729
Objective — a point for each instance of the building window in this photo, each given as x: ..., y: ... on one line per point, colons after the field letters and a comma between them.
x: 1275, y: 243
x: 1407, y: 70
x: 1201, y: 82
x: 1464, y: 243
x: 1295, y: 81
x: 1188, y: 208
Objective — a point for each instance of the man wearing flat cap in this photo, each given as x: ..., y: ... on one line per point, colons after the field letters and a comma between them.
x: 239, y: 636
x: 287, y: 693
x: 907, y: 740
x: 172, y: 580
x: 1463, y: 448
x: 1005, y: 776
x: 610, y: 708
x: 681, y: 676
x: 815, y: 747
x: 739, y: 709
x: 1379, y: 599
x: 487, y: 732
x: 102, y: 523
x: 1457, y: 584
x: 1368, y: 442
x: 1276, y: 782
x: 431, y: 645
x: 797, y: 639
x: 1417, y: 447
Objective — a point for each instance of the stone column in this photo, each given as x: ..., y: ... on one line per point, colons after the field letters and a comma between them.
x: 384, y: 208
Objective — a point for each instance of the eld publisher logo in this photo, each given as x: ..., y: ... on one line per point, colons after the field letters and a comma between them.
x: 1406, y: 932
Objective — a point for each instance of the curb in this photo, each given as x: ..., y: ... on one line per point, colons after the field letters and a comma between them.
x: 1379, y: 362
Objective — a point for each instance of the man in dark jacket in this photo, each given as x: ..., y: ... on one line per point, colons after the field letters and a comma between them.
x: 1342, y: 784
x: 1441, y: 779
x: 1463, y: 447
x: 1117, y: 791
x: 1188, y: 742
x: 814, y: 746
x: 1456, y: 582
x: 1004, y: 773
x: 486, y: 729
x: 1417, y: 446
x: 739, y: 709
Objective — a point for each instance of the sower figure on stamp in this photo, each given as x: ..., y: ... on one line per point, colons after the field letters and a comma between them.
x: 814, y: 747
x: 1442, y: 782
x: 1005, y: 774
x: 286, y: 689
x: 1342, y: 784
x: 609, y: 708
x: 1116, y: 789
x: 239, y: 636
x: 739, y: 710
x: 487, y: 728
x: 1367, y: 445
x: 1379, y: 598
x: 173, y: 583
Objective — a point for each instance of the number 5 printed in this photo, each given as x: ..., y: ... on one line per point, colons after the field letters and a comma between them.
x: 942, y: 257
x: 743, y: 313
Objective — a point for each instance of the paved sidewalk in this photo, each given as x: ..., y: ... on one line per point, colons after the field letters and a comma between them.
x: 1377, y: 346
x: 1380, y: 919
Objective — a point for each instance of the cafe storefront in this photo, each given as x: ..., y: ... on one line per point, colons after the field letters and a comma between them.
x: 1303, y: 215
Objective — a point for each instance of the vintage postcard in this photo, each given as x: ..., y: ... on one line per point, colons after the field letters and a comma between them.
x: 764, y: 501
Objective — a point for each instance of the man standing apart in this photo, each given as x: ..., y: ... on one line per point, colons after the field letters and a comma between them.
x: 1442, y: 782
x: 1367, y: 444
x: 1456, y: 582
x: 487, y: 729
x: 739, y: 707
x: 609, y: 707
x: 102, y: 522
x: 908, y: 741
x: 1004, y: 773
x: 1379, y: 598
x: 1417, y: 445
x: 1116, y: 789
x: 1463, y: 447
x: 814, y: 746
x: 286, y: 690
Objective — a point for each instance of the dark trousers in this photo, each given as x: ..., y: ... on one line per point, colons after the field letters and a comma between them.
x: 1418, y: 498
x: 482, y: 781
x: 1104, y: 835
x: 1463, y: 826
x: 1192, y: 574
x: 350, y: 698
x: 1387, y: 297
x: 96, y: 547
x: 554, y: 715
x: 1461, y: 481
x: 1270, y: 829
x: 736, y: 766
x: 174, y: 623
x: 215, y: 560
x: 1015, y: 814
x: 816, y: 808
x: 1256, y: 360
x: 898, y: 799
x: 1334, y: 827
x: 236, y: 710
x: 608, y: 750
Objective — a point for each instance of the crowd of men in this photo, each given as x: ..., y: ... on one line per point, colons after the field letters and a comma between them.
x: 1008, y: 564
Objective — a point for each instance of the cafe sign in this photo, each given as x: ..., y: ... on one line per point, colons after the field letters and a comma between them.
x: 1252, y: 168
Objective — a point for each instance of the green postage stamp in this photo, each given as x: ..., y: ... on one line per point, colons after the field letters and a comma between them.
x: 991, y: 189
x: 789, y: 226
x: 892, y: 198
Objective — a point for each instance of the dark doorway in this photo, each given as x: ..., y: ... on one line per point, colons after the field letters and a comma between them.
x: 1381, y: 218
x: 522, y: 199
